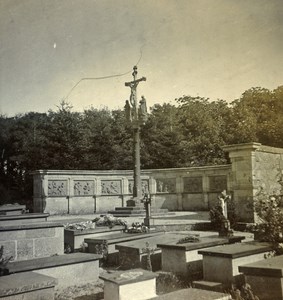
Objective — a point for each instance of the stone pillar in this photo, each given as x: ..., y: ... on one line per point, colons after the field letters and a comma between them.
x: 179, y: 191
x: 242, y: 157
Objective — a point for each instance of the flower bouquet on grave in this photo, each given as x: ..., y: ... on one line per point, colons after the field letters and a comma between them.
x: 136, y: 227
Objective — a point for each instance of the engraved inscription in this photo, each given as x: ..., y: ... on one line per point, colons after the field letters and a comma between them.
x: 193, y: 184
x: 217, y: 183
x: 83, y: 187
x: 110, y: 187
x: 166, y: 185
x: 57, y: 187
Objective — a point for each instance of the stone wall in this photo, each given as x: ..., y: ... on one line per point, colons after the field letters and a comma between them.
x: 256, y: 169
x: 82, y: 192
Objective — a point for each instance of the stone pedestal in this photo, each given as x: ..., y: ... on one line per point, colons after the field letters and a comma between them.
x: 135, y: 284
x: 265, y: 278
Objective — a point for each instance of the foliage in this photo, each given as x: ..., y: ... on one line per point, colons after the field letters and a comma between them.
x: 270, y: 226
x: 244, y: 293
x: 216, y: 217
x: 189, y: 133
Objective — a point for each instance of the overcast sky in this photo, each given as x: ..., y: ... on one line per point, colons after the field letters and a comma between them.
x: 210, y: 48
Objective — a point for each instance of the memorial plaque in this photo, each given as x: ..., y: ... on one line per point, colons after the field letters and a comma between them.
x: 57, y: 188
x: 217, y: 183
x: 166, y: 185
x: 111, y: 187
x: 193, y: 184
x: 83, y: 187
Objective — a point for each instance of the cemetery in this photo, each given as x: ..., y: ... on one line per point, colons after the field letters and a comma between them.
x: 203, y: 232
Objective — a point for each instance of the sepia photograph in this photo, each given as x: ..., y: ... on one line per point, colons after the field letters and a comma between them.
x: 141, y: 149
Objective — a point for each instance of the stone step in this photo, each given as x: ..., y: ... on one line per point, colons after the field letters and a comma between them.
x: 208, y: 285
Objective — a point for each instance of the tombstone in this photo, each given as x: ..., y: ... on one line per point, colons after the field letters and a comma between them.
x: 135, y: 284
x: 183, y: 259
x: 265, y: 277
x: 220, y: 264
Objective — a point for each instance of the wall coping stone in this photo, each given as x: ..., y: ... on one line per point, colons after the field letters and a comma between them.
x: 127, y: 277
x: 271, y: 267
x: 30, y: 226
x: 24, y: 216
x: 23, y: 283
x: 203, y: 243
x: 51, y: 261
x: 114, y: 173
x: 252, y: 147
x: 237, y: 250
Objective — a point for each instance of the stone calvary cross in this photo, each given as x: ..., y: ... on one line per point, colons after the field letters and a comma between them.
x: 136, y: 114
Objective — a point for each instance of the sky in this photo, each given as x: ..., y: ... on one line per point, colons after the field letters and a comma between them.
x: 209, y: 48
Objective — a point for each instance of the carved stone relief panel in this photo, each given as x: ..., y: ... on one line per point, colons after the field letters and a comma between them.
x: 217, y: 183
x: 144, y: 186
x: 83, y: 187
x: 166, y: 185
x: 111, y: 187
x: 193, y: 184
x: 57, y: 187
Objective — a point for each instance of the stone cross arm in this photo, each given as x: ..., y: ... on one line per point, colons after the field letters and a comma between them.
x: 131, y: 83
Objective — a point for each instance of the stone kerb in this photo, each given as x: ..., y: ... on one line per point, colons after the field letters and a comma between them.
x: 27, y: 241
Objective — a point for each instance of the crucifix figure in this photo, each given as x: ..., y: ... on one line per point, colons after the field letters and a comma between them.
x: 136, y: 114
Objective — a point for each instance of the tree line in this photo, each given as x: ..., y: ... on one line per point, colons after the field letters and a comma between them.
x: 189, y: 132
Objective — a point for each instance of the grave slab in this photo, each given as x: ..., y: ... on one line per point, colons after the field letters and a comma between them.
x: 133, y: 254
x: 74, y: 238
x: 27, y: 286
x: 23, y: 218
x: 193, y: 294
x: 135, y: 284
x: 69, y: 269
x: 115, y: 238
x: 265, y: 277
x: 184, y: 260
x: 220, y: 264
